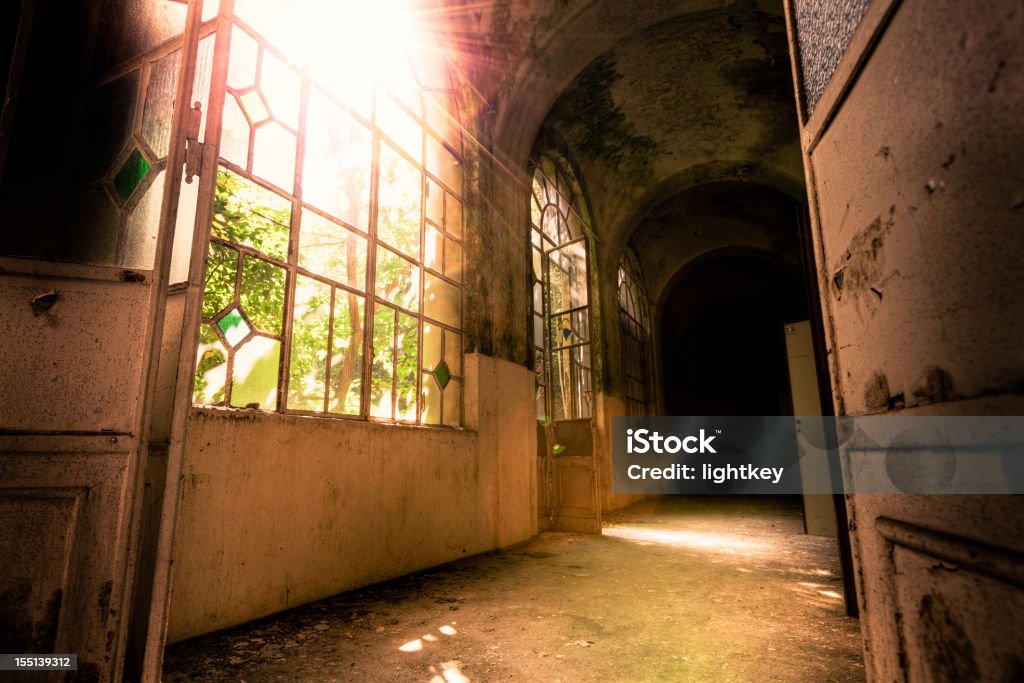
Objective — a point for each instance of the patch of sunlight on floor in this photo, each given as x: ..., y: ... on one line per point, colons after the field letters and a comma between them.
x: 701, y: 540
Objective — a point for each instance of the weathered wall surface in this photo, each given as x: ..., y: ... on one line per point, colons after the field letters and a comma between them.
x: 279, y: 510
x: 917, y: 201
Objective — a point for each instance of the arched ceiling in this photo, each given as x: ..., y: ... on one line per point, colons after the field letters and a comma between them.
x: 650, y: 96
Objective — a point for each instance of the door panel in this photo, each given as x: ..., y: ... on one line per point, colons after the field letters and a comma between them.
x: 86, y: 215
x: 577, y: 507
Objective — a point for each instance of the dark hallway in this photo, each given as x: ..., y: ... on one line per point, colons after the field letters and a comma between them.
x: 675, y: 589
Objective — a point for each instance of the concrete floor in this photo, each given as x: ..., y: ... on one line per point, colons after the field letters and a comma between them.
x: 679, y: 589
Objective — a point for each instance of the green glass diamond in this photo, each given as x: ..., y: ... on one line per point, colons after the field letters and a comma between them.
x: 442, y: 374
x: 234, y: 327
x: 131, y: 174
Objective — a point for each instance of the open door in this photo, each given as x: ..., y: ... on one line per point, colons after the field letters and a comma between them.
x: 92, y: 154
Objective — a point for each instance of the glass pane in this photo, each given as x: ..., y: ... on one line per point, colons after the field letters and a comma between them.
x: 435, y: 202
x: 397, y: 280
x: 262, y: 294
x: 442, y: 301
x: 404, y: 130
x: 347, y: 354
x: 254, y: 106
x: 538, y: 331
x: 549, y: 223
x: 432, y: 336
x: 234, y: 137
x: 570, y: 328
x: 453, y: 403
x: 443, y: 164
x: 184, y: 231
x: 431, y: 401
x: 383, y: 371
x: 211, y: 368
x: 156, y: 113
x: 127, y: 28
x: 433, y: 244
x: 453, y: 218
x: 219, y: 290
x: 567, y: 277
x: 328, y: 249
x: 249, y: 214
x: 274, y: 155
x: 398, y: 214
x: 130, y: 176
x: 243, y: 60
x: 108, y: 116
x: 276, y: 20
x: 453, y: 259
x: 254, y: 375
x: 93, y: 227
x: 307, y: 367
x: 453, y: 351
x: 143, y: 226
x: 204, y: 72
x: 280, y: 86
x: 441, y: 117
x: 336, y: 169
x: 234, y: 327
x: 407, y: 366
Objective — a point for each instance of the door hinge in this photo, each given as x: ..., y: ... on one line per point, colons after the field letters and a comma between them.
x: 193, y: 148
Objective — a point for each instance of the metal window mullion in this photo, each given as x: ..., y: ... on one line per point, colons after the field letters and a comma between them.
x: 330, y: 351
x: 424, y: 189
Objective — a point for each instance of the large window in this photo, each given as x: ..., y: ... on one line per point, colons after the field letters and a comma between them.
x: 634, y: 336
x: 561, y: 312
x: 335, y: 266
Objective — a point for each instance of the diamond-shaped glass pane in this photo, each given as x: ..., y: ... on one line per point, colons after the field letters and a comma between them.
x: 255, y: 107
x: 234, y: 327
x: 442, y: 374
x: 131, y: 174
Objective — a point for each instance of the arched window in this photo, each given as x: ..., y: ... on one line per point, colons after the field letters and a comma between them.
x: 635, y: 334
x: 561, y: 311
x: 335, y: 266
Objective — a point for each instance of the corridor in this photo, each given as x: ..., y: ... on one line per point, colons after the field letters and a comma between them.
x: 676, y: 589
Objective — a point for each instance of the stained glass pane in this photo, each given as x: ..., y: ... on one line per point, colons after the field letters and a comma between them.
x: 453, y: 259
x: 336, y: 168
x: 211, y: 368
x: 442, y: 374
x: 407, y: 370
x: 254, y: 376
x: 156, y: 113
x: 383, y: 371
x: 93, y: 227
x: 570, y: 328
x: 280, y: 85
x: 398, y: 213
x: 131, y: 174
x: 347, y: 354
x: 262, y: 294
x: 397, y: 280
x: 249, y: 214
x: 234, y: 137
x: 143, y: 226
x: 453, y: 351
x: 243, y: 59
x: 442, y: 301
x: 328, y: 249
x: 274, y: 155
x: 219, y: 290
x: 234, y: 327
x: 307, y: 366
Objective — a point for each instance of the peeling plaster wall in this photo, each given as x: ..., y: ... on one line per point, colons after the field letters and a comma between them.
x: 280, y: 510
x: 919, y: 234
